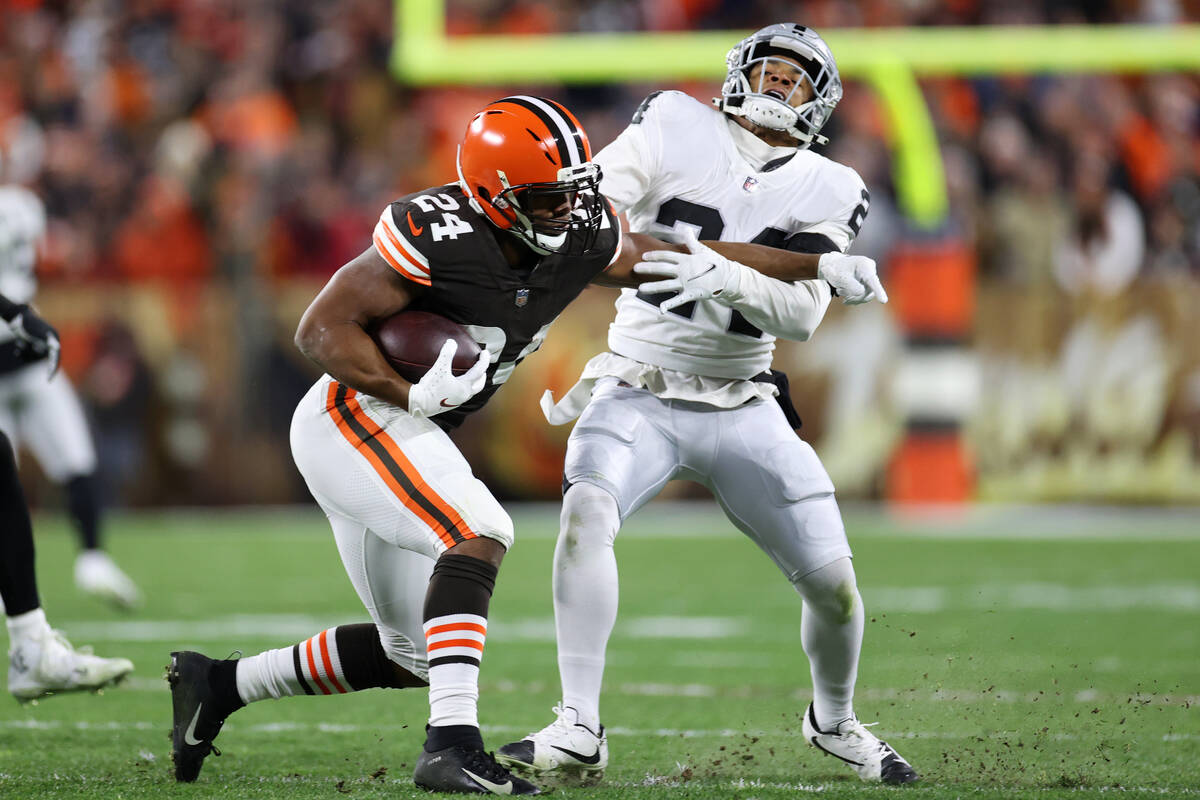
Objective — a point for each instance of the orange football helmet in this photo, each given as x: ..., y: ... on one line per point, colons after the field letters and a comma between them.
x: 524, y: 158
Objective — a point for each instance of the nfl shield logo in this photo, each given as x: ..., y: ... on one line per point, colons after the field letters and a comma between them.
x: 522, y: 298
x: 750, y: 184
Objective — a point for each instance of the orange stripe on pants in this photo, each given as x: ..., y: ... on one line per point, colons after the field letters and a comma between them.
x: 410, y: 502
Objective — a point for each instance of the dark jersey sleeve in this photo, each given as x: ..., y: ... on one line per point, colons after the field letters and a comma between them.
x: 397, y: 238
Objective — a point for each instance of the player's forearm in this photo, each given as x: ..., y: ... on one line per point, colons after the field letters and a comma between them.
x: 787, y: 310
x: 773, y: 262
x: 348, y: 354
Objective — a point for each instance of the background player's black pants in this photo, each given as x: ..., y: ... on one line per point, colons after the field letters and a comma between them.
x: 18, y: 583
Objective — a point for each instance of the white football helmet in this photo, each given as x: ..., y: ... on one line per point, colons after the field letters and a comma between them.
x: 797, y: 44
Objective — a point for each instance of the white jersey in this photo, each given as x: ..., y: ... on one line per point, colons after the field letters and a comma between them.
x: 677, y: 165
x: 22, y: 227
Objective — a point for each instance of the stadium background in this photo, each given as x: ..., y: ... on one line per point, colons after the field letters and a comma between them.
x: 207, y: 164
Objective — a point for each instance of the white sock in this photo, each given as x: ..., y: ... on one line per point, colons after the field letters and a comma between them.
x: 310, y: 667
x: 30, y: 625
x: 455, y: 645
x: 831, y: 631
x: 585, y: 595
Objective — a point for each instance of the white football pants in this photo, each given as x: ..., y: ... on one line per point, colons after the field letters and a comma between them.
x: 397, y: 493
x: 43, y: 414
x: 627, y: 445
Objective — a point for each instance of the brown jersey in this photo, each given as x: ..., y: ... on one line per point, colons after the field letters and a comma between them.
x: 435, y: 238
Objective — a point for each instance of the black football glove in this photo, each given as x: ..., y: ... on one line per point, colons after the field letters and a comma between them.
x: 35, y: 335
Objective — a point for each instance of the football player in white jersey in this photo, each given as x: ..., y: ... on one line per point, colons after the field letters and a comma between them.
x: 40, y: 660
x: 41, y: 411
x: 689, y: 393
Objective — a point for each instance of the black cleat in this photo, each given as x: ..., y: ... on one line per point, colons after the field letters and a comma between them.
x: 467, y: 770
x: 195, y: 721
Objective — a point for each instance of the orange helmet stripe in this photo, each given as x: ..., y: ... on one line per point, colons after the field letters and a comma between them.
x: 568, y: 135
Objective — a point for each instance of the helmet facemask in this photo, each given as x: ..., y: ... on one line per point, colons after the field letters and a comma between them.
x: 577, y: 189
x: 758, y: 103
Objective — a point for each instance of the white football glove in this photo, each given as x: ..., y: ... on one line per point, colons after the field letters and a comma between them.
x: 699, y: 274
x: 440, y: 390
x: 854, y: 277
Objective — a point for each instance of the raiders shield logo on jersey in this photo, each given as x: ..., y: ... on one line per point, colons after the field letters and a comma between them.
x: 522, y: 298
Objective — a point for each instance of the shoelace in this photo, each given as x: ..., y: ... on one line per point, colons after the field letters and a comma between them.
x: 484, y: 765
x: 560, y: 722
x: 61, y: 638
x: 865, y: 737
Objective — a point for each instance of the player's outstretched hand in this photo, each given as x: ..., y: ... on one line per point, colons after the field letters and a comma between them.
x: 441, y: 390
x: 854, y: 277
x: 36, y: 335
x: 699, y: 274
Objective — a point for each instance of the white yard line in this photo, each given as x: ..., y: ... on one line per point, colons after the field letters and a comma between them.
x: 703, y: 519
x: 1039, y: 596
x: 276, y: 728
x: 800, y: 696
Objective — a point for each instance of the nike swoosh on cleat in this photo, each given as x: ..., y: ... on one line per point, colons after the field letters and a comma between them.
x: 817, y: 745
x: 188, y: 737
x: 494, y: 788
x: 445, y: 404
x: 594, y: 758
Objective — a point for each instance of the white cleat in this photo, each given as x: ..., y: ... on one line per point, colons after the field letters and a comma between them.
x: 563, y: 747
x: 98, y: 575
x: 868, y: 755
x: 48, y: 664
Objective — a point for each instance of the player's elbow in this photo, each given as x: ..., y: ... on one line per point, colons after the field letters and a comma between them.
x: 309, y: 338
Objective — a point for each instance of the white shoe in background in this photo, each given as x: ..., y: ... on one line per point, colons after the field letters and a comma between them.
x: 46, y: 663
x: 98, y: 575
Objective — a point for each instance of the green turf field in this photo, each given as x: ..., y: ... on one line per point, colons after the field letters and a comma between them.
x: 1008, y: 654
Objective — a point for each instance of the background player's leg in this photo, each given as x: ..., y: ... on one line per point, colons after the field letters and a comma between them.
x: 41, y: 661
x: 54, y: 428
x: 18, y: 581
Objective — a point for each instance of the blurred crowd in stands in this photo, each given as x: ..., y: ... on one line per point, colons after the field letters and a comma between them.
x: 251, y: 145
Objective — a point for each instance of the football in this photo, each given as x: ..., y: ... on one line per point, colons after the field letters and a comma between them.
x: 411, y: 341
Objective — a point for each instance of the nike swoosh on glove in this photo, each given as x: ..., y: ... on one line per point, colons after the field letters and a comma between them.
x: 441, y: 390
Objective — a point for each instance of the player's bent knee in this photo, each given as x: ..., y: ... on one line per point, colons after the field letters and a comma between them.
x: 831, y: 591
x: 590, y: 518
x: 405, y: 655
x: 846, y: 601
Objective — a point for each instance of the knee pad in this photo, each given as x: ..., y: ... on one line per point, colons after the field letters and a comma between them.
x: 590, y: 518
x: 831, y: 591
